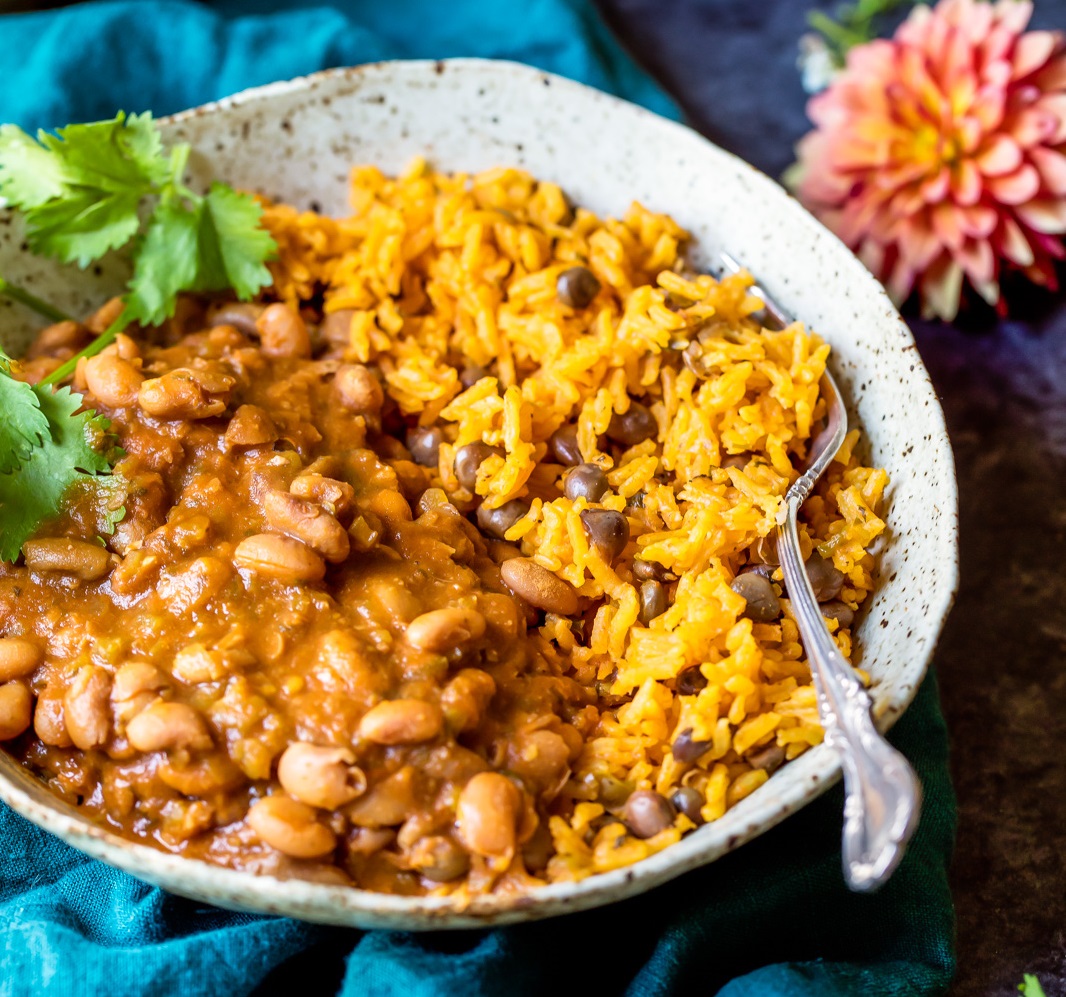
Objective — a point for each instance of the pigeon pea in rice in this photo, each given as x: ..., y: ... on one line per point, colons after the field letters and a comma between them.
x: 445, y: 566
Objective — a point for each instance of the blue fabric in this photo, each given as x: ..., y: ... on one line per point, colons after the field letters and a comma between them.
x: 772, y: 920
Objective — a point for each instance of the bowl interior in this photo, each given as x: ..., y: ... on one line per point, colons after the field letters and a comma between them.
x: 296, y: 142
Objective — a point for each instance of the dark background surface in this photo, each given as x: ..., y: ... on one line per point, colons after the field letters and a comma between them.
x: 1003, y: 387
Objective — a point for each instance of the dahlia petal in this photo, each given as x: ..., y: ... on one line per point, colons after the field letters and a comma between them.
x: 934, y: 189
x: 1055, y: 105
x: 919, y: 244
x: 978, y: 21
x: 988, y: 289
x: 1032, y: 51
x: 1013, y: 244
x: 1017, y: 187
x: 977, y: 260
x: 957, y: 69
x: 978, y: 221
x: 968, y: 134
x: 999, y: 157
x: 900, y: 282
x: 946, y: 225
x: 1043, y: 215
x: 1052, y: 168
x: 993, y: 47
x: 941, y: 288
x: 966, y: 182
x: 1032, y: 126
x: 1052, y: 76
x: 1014, y: 15
x: 988, y: 106
x: 997, y: 71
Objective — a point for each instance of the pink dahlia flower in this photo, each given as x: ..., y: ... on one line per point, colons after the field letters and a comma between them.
x: 939, y: 156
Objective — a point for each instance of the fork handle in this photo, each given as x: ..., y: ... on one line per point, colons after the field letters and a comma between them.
x: 881, y: 792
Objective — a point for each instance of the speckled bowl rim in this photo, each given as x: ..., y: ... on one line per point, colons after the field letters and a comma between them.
x: 811, y: 774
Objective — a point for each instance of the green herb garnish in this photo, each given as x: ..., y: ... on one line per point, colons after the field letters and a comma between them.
x: 85, y: 191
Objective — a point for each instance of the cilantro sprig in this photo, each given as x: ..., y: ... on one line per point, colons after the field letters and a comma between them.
x: 48, y: 445
x: 85, y: 191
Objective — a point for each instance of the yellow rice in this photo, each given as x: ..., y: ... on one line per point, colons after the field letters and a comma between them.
x: 445, y: 269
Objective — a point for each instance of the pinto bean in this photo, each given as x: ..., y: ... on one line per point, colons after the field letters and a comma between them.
x: 66, y: 336
x: 250, y: 427
x: 577, y: 287
x: 336, y: 327
x: 185, y: 393
x: 105, y: 315
x: 282, y: 332
x: 18, y: 658
x: 291, y: 827
x: 195, y: 663
x: 839, y: 611
x: 686, y: 748
x: 653, y: 601
x: 165, y: 726
x: 634, y: 426
x: 283, y: 558
x: 320, y: 777
x: 84, y: 560
x: 608, y: 531
x: 487, y: 815
x: 87, y: 707
x: 387, y: 803
x: 689, y: 801
x: 336, y: 497
x: 16, y: 710
x: 401, y: 721
x: 469, y: 458
x: 48, y: 721
x: 466, y: 697
x: 424, y: 443
x: 647, y: 813
x: 648, y: 571
x: 496, y: 522
x: 691, y: 681
x: 826, y: 579
x: 114, y: 381
x: 307, y: 521
x: 442, y: 630
x: 439, y: 858
x: 770, y: 758
x: 241, y: 315
x: 587, y: 481
x: 538, y: 586
x: 763, y: 606
x: 563, y: 445
x: 359, y: 391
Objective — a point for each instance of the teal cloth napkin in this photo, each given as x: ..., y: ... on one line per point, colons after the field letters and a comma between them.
x: 771, y: 920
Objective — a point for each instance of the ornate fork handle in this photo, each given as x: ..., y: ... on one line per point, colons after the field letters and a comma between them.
x: 882, y: 793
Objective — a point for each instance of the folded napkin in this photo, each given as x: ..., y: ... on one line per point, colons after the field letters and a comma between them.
x: 772, y: 920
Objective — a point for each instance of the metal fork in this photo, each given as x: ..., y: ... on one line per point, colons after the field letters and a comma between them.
x: 882, y: 795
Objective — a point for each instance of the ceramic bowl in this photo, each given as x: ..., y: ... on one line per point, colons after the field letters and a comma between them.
x: 297, y: 140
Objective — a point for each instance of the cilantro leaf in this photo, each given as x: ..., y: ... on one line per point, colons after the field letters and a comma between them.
x: 83, y: 225
x: 1030, y: 986
x: 30, y: 175
x: 81, y: 191
x: 242, y: 243
x: 116, y: 155
x: 24, y: 425
x: 166, y: 263
x: 75, y: 446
